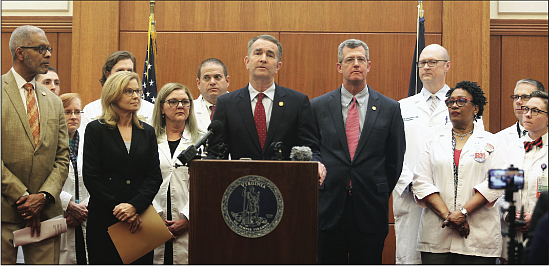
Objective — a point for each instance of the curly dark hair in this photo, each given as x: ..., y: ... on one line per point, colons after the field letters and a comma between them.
x: 478, y: 95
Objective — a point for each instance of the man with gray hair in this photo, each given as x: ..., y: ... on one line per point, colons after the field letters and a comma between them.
x: 262, y: 114
x: 362, y: 144
x: 35, y: 148
x: 520, y: 96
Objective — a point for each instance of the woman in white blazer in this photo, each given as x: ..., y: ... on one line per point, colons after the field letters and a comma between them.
x: 530, y: 154
x: 74, y: 196
x: 176, y: 129
x: 458, y: 223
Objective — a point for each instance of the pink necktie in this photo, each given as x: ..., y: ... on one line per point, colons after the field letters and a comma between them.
x: 352, y: 128
x: 260, y: 120
x: 32, y: 113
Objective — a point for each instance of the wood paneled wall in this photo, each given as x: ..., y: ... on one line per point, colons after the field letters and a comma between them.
x: 59, y: 33
x: 518, y: 50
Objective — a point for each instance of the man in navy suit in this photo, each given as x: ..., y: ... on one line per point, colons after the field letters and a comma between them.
x: 281, y: 114
x: 362, y: 144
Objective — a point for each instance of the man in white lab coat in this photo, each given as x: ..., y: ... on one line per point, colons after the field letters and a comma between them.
x: 520, y: 96
x: 421, y: 118
x: 117, y: 61
x: 212, y: 81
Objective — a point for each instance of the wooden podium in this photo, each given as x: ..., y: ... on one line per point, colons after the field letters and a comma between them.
x: 293, y: 240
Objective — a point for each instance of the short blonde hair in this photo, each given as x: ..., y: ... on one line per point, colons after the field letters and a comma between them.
x: 67, y: 98
x: 159, y: 122
x: 112, y: 92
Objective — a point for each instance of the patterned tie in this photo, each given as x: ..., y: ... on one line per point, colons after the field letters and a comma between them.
x: 434, y: 103
x: 213, y: 110
x: 352, y: 128
x: 529, y: 145
x: 260, y: 120
x: 32, y: 113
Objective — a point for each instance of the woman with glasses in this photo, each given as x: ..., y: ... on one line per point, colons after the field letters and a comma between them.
x: 176, y: 129
x: 121, y: 167
x: 530, y: 154
x: 459, y: 224
x: 74, y: 196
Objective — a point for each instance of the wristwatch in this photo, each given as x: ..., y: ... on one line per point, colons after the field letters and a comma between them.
x: 464, y: 211
x: 47, y: 197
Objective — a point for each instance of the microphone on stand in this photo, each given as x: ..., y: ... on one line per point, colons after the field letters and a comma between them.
x: 187, y: 155
x: 276, y: 147
x: 301, y: 153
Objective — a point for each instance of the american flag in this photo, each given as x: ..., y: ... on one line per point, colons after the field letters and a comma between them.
x: 149, y: 73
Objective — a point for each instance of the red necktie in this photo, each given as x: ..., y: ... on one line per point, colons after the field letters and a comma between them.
x: 213, y: 110
x: 352, y: 128
x: 528, y: 145
x: 32, y: 113
x: 260, y: 120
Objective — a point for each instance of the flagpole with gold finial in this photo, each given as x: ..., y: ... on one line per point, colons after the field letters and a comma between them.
x: 419, y: 15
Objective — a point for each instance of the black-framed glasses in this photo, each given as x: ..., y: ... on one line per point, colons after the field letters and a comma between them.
x: 130, y: 92
x: 430, y: 63
x: 535, y: 111
x: 175, y: 103
x: 460, y: 102
x: 75, y: 112
x: 524, y: 97
x: 42, y: 49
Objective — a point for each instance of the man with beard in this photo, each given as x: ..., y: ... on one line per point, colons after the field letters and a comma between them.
x: 35, y: 148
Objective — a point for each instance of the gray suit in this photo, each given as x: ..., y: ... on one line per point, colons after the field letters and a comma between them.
x: 24, y: 166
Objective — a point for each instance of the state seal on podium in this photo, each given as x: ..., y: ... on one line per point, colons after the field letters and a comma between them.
x: 252, y: 206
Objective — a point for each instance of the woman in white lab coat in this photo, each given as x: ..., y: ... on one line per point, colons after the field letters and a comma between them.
x: 459, y: 223
x: 176, y: 129
x: 74, y: 196
x: 530, y: 154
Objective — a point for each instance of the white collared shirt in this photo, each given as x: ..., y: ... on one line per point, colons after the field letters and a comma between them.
x: 267, y: 101
x: 362, y: 103
x: 22, y: 91
x: 208, y: 106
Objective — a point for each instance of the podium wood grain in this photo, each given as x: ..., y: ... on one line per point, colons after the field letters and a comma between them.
x: 293, y: 241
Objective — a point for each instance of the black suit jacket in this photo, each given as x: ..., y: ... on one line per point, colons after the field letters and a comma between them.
x: 291, y: 122
x: 112, y: 176
x: 374, y: 171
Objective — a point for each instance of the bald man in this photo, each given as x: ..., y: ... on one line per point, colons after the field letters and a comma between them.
x: 422, y: 113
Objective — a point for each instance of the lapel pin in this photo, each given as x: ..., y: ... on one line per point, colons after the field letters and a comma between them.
x: 489, y: 148
x: 281, y: 103
x: 374, y: 108
x: 43, y: 94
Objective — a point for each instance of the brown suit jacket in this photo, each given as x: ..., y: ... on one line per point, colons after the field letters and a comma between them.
x: 24, y: 166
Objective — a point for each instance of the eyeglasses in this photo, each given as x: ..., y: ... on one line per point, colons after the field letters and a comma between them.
x: 75, y: 112
x: 525, y: 97
x: 130, y: 92
x: 535, y: 111
x: 175, y: 103
x: 430, y: 63
x: 460, y: 102
x: 352, y: 60
x: 42, y: 49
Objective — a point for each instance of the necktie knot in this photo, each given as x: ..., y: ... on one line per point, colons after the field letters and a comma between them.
x: 529, y: 145
x: 260, y: 96
x: 28, y: 87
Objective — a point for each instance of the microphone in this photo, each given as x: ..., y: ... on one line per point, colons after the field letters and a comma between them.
x: 301, y: 153
x: 186, y: 156
x: 276, y: 148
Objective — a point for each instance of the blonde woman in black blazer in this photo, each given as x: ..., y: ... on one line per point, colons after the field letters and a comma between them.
x: 121, y: 167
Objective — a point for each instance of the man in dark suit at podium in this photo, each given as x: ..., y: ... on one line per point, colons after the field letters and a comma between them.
x: 261, y: 114
x: 362, y: 144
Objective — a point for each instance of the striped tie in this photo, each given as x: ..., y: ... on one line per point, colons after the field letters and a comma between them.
x: 434, y: 103
x: 32, y: 113
x: 352, y: 128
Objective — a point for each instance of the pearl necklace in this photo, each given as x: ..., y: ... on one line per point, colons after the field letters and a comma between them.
x: 462, y: 136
